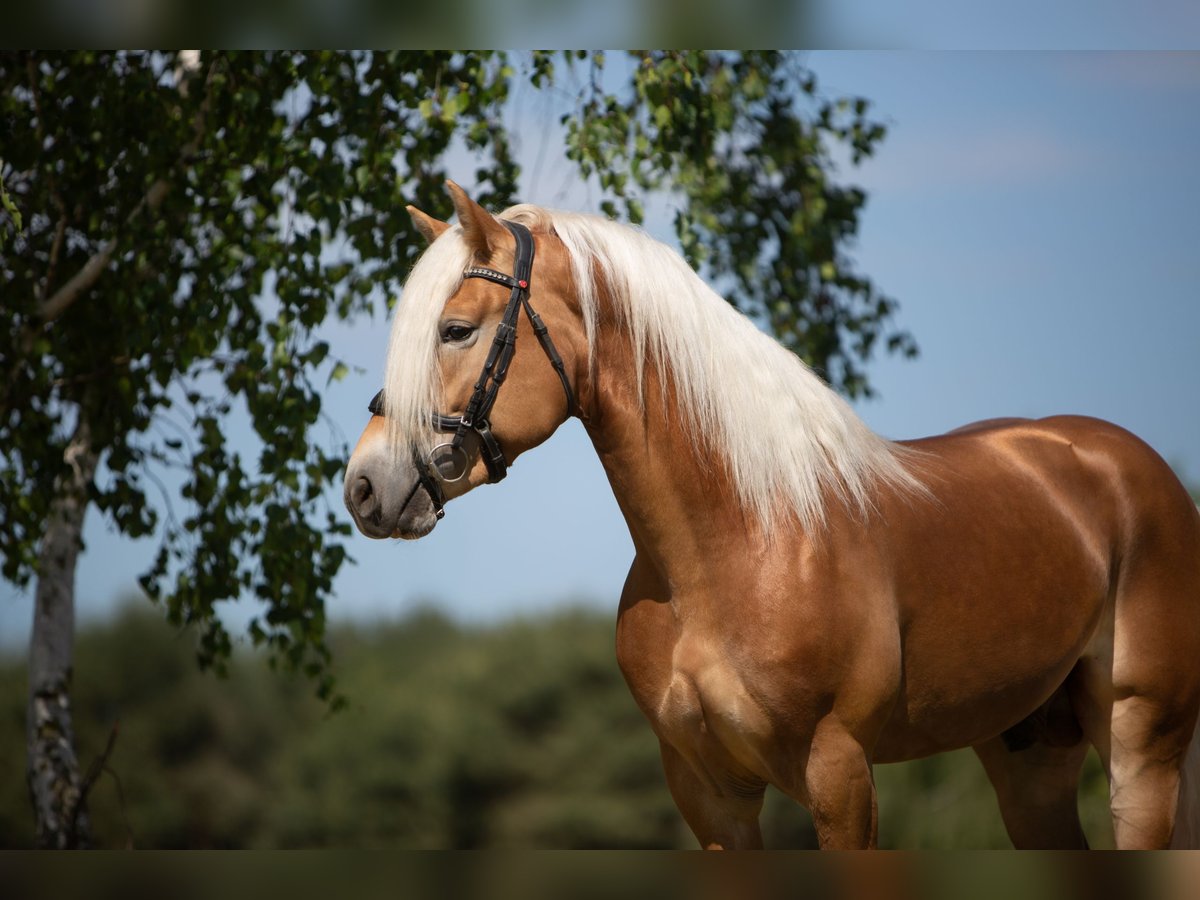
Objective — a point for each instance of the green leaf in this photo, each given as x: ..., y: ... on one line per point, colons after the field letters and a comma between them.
x: 9, y: 206
x: 456, y: 106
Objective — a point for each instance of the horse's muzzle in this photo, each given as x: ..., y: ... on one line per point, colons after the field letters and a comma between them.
x: 387, y: 500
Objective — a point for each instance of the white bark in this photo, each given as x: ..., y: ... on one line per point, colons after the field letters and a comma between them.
x: 52, y: 770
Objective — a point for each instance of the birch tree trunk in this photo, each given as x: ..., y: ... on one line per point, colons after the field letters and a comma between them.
x: 52, y: 770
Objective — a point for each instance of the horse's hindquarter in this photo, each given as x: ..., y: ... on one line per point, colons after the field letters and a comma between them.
x: 1008, y: 578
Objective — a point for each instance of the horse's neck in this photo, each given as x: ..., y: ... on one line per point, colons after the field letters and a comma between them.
x: 680, y: 508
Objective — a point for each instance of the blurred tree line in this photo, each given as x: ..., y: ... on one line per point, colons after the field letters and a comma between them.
x: 521, y: 734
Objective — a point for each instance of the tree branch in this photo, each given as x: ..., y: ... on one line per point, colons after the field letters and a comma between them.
x: 98, y: 765
x: 55, y: 305
x: 60, y: 231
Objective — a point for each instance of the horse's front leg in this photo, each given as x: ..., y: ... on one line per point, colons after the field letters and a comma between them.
x: 724, y: 815
x: 839, y: 790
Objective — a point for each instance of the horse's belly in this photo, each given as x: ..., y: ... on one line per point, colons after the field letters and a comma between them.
x: 928, y: 725
x: 968, y: 678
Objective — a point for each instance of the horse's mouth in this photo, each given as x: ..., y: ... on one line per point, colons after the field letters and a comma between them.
x: 415, y: 533
x: 417, y: 516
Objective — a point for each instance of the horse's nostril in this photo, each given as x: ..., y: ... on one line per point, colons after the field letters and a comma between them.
x: 361, y: 493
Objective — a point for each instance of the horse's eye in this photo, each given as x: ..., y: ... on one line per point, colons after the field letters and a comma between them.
x: 456, y: 332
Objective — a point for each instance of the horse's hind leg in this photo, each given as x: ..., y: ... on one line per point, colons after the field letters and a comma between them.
x: 1037, y: 784
x: 1149, y: 744
x: 1156, y: 694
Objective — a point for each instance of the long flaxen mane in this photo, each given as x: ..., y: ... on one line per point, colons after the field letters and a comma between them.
x: 788, y: 442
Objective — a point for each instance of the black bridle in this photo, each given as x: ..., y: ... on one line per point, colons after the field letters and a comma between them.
x: 449, y: 459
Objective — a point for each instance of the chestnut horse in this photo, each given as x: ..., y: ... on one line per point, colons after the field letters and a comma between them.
x: 807, y: 598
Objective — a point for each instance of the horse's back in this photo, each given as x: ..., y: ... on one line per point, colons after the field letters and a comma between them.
x: 1114, y: 490
x: 1146, y: 494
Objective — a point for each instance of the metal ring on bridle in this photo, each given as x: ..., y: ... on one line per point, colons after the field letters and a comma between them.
x: 457, y: 454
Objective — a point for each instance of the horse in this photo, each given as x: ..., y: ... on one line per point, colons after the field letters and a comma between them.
x: 807, y: 598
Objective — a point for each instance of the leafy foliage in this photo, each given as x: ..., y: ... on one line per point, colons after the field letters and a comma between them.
x: 177, y: 226
x: 516, y: 735
x: 235, y: 203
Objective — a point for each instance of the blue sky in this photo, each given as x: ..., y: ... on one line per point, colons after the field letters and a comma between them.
x: 1035, y: 214
x: 866, y: 24
x: 1008, y: 24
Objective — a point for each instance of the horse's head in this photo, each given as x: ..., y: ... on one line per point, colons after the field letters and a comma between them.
x: 467, y: 388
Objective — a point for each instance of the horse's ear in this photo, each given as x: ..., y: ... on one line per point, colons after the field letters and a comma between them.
x: 482, y: 231
x: 429, y: 227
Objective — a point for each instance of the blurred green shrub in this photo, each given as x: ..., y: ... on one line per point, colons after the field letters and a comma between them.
x: 521, y: 734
